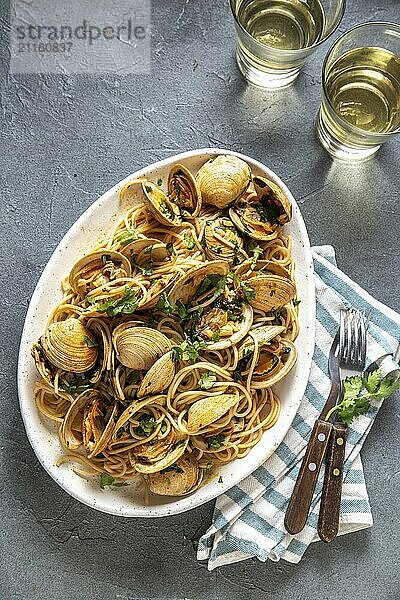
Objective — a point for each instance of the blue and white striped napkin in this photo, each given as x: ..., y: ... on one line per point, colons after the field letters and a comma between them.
x: 248, y: 518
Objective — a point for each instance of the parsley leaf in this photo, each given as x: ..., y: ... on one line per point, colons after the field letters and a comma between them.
x: 121, y: 306
x: 190, y: 242
x: 108, y: 480
x: 372, y: 382
x: 126, y: 237
x: 358, y: 393
x: 257, y: 252
x: 170, y: 248
x: 89, y: 343
x: 166, y: 306
x: 187, y: 350
x: 147, y: 424
x: 207, y: 380
x: 218, y: 282
x: 216, y: 441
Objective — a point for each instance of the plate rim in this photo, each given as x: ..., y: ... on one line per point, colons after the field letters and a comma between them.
x: 173, y: 507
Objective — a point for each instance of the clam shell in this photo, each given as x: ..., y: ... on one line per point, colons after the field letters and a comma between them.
x: 139, y: 347
x: 269, y: 193
x: 166, y: 461
x: 165, y: 211
x: 69, y: 430
x: 221, y: 239
x: 260, y: 382
x: 186, y: 287
x: 271, y: 291
x: 185, y: 478
x: 158, y: 377
x: 163, y: 284
x: 263, y: 335
x: 207, y: 410
x: 224, y: 179
x: 262, y: 217
x: 86, y: 274
x: 262, y: 267
x: 238, y: 335
x: 65, y: 346
x: 146, y: 249
x: 184, y: 191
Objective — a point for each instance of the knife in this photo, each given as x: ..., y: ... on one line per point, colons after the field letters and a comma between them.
x: 303, y: 491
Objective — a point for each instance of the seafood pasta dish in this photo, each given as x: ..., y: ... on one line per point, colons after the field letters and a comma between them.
x: 160, y: 360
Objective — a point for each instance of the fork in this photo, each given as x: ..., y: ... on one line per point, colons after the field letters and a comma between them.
x: 352, y: 355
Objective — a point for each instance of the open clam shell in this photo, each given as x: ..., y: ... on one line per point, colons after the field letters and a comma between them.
x: 184, y: 191
x: 221, y: 239
x: 165, y: 211
x: 70, y: 346
x: 97, y: 269
x: 273, y: 199
x: 139, y: 347
x: 263, y: 335
x: 274, y: 363
x: 145, y: 250
x: 271, y: 291
x: 262, y: 216
x: 207, y: 410
x: 95, y: 430
x: 244, y: 327
x: 158, y: 377
x: 223, y: 179
x: 186, y: 287
x: 176, y: 451
x: 181, y: 478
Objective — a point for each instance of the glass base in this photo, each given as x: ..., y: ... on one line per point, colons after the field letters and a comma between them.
x: 268, y: 79
x: 337, y: 149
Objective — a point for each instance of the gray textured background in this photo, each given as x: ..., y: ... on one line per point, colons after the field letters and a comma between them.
x: 64, y: 141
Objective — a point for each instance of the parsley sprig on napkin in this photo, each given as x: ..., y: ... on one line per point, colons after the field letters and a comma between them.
x: 358, y: 392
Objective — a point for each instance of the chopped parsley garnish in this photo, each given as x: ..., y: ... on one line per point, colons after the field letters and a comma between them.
x: 166, y: 211
x: 215, y: 336
x: 108, y: 480
x: 358, y: 393
x: 187, y: 350
x: 133, y: 377
x: 246, y: 289
x: 257, y: 252
x: 208, y: 467
x: 148, y: 188
x: 126, y: 237
x: 175, y: 468
x: 89, y: 343
x: 218, y: 282
x: 190, y: 241
x: 146, y: 269
x: 121, y: 306
x: 207, y: 380
x: 170, y: 248
x: 73, y: 387
x: 296, y: 302
x: 147, y: 424
x: 105, y: 258
x: 216, y: 441
x: 166, y: 306
x: 159, y: 182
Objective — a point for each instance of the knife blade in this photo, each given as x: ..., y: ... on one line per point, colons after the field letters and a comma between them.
x: 303, y: 491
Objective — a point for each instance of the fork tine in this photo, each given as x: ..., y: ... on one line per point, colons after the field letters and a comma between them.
x: 350, y: 336
x: 342, y: 335
x: 363, y: 341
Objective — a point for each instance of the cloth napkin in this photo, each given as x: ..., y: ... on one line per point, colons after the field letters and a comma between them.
x: 248, y: 518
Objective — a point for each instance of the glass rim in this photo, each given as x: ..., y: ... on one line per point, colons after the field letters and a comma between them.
x: 371, y: 134
x: 294, y: 50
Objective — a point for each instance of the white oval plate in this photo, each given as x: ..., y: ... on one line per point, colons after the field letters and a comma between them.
x: 87, y: 231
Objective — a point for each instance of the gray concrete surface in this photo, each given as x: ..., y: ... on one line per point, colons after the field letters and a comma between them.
x: 66, y: 139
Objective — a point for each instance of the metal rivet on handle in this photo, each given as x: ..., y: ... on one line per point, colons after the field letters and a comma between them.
x: 321, y: 437
x: 312, y: 466
x: 339, y: 441
x: 336, y: 472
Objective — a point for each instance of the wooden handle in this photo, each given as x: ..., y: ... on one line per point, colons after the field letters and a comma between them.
x: 328, y: 522
x: 300, y: 501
